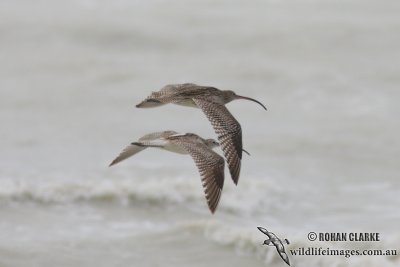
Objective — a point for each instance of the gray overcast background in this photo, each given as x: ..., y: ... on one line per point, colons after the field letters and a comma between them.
x: 324, y: 157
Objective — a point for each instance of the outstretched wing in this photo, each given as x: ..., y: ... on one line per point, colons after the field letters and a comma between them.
x: 175, y: 93
x: 128, y: 151
x: 282, y: 253
x: 135, y: 148
x: 229, y: 133
x: 265, y: 231
x: 211, y: 169
x: 157, y: 135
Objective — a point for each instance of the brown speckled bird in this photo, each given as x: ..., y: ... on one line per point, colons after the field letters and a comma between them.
x: 209, y: 163
x: 212, y: 102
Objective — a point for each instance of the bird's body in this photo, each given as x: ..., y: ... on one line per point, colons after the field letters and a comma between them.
x: 161, y: 140
x: 212, y: 102
x: 208, y: 162
x: 183, y: 94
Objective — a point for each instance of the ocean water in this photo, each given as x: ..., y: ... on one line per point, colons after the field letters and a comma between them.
x: 324, y: 157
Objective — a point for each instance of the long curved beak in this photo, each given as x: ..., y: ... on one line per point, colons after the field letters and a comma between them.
x: 251, y: 99
x: 245, y: 151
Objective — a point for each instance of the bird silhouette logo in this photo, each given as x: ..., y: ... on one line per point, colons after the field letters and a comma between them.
x: 273, y: 240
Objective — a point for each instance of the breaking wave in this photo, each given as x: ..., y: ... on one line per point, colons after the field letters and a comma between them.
x: 157, y: 191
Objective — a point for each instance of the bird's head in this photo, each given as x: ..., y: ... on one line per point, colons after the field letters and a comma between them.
x: 211, y: 143
x: 231, y: 95
x: 267, y: 242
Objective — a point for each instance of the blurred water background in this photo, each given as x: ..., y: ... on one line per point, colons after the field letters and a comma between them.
x: 324, y: 157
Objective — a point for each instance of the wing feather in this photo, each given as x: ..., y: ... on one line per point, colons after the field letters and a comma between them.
x: 211, y: 168
x: 157, y: 135
x: 229, y: 133
x: 128, y: 151
x: 151, y: 139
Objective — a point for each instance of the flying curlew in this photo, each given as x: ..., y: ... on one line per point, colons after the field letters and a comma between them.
x: 209, y: 163
x: 212, y: 102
